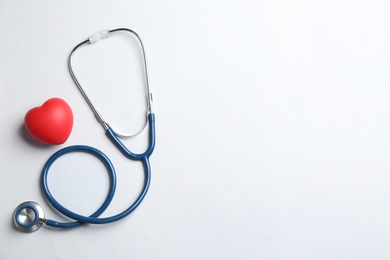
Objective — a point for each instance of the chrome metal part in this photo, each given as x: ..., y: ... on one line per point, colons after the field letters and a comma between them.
x: 149, y: 98
x: 28, y: 216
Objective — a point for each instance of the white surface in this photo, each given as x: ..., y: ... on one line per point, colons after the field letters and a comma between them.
x: 273, y: 127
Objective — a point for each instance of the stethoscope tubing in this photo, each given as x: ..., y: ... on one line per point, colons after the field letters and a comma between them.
x: 94, y: 218
x: 152, y: 139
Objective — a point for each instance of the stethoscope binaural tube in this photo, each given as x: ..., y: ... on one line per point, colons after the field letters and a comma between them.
x: 103, y: 34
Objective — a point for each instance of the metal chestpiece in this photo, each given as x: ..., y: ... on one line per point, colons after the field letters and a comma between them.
x: 28, y: 216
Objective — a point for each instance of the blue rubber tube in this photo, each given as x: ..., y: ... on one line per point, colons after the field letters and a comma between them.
x: 94, y: 218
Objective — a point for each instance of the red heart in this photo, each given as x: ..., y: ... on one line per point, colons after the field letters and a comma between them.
x: 50, y: 123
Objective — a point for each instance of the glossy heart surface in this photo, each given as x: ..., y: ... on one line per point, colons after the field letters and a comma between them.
x: 50, y: 123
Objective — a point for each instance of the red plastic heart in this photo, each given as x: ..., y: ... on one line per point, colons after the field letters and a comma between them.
x: 50, y: 123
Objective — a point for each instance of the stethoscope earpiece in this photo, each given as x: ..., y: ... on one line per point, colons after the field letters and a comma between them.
x: 28, y: 216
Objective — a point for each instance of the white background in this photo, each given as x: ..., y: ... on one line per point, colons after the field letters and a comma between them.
x: 273, y: 127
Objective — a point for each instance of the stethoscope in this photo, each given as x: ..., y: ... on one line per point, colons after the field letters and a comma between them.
x: 30, y: 216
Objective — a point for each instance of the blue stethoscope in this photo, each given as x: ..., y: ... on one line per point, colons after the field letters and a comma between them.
x: 30, y: 216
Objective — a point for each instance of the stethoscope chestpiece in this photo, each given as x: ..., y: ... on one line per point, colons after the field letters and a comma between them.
x: 28, y: 216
